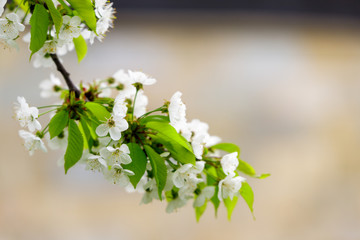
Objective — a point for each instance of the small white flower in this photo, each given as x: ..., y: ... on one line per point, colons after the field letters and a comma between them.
x: 185, y: 178
x: 50, y: 47
x: 229, y: 187
x: 177, y: 112
x: 70, y: 28
x: 140, y: 77
x: 116, y: 155
x: 95, y: 163
x: 151, y: 192
x: 114, y: 125
x: 49, y: 87
x: 141, y: 104
x: 118, y: 175
x: 206, y: 193
x: 42, y: 61
x: 105, y: 13
x: 57, y: 142
x: 175, y: 204
x: 229, y: 163
x: 2, y: 4
x: 27, y: 116
x: 32, y: 142
x: 122, y: 77
x: 10, y: 26
x: 120, y: 108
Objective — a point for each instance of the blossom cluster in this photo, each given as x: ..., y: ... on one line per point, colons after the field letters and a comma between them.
x: 160, y: 156
x: 68, y: 30
x: 106, y: 125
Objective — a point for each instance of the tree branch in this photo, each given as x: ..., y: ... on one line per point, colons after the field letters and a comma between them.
x: 65, y: 74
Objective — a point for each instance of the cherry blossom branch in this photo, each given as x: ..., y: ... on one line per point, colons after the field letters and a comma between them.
x: 65, y: 74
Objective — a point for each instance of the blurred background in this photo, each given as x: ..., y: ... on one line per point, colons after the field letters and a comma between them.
x: 279, y: 78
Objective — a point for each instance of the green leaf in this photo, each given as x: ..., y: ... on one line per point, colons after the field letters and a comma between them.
x: 154, y: 118
x: 264, y: 175
x: 55, y: 15
x: 138, y: 163
x: 98, y: 110
x: 75, y: 146
x: 84, y: 129
x: 158, y: 167
x: 58, y: 123
x: 230, y: 205
x: 248, y: 195
x: 246, y: 168
x: 199, y: 211
x: 227, y: 147
x: 173, y: 141
x: 215, y: 200
x: 211, y: 180
x: 80, y: 47
x: 86, y: 11
x: 39, y: 22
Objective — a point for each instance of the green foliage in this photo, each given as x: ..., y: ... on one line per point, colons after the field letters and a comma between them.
x: 174, y: 142
x: 158, y: 167
x: 86, y: 11
x: 39, y: 22
x: 227, y: 147
x: 85, y: 132
x: 230, y: 205
x: 55, y: 15
x: 98, y: 110
x: 75, y: 146
x: 138, y: 163
x: 154, y: 118
x: 211, y: 180
x: 58, y: 123
x: 80, y: 47
x: 248, y: 195
x: 199, y: 211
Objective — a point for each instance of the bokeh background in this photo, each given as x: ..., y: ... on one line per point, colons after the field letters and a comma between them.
x: 282, y: 80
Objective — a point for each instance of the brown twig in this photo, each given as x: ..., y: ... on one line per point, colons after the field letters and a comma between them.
x: 65, y: 74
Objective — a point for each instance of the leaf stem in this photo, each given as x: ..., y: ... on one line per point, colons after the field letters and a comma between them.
x: 133, y: 108
x: 148, y: 113
x: 49, y: 106
x: 41, y: 114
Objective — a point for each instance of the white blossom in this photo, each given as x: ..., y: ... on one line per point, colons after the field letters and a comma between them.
x: 49, y: 87
x: 58, y: 142
x: 114, y: 125
x: 141, y: 104
x: 116, y: 155
x: 120, y: 108
x: 32, y: 142
x: 229, y: 186
x: 175, y: 204
x: 70, y: 28
x: 118, y: 175
x: 177, y: 112
x: 95, y: 163
x: 42, y: 61
x: 229, y: 163
x: 105, y: 13
x: 206, y: 193
x: 27, y: 116
x: 10, y: 26
x: 151, y: 192
x: 140, y: 77
x: 50, y: 47
x: 185, y: 178
x: 2, y: 4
